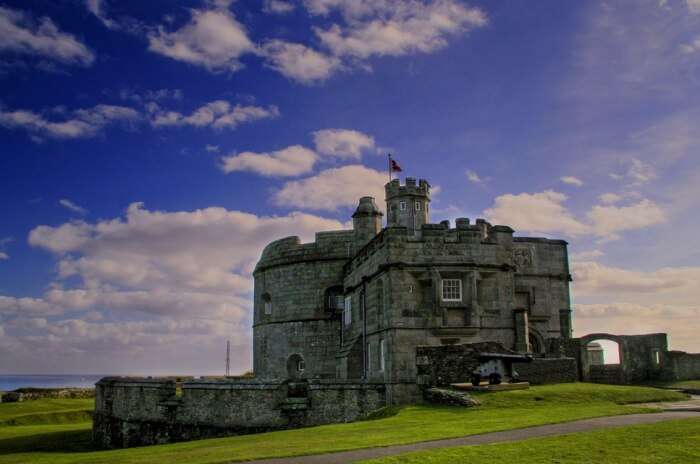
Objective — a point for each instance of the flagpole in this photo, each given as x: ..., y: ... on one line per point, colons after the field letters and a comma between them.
x: 389, y: 154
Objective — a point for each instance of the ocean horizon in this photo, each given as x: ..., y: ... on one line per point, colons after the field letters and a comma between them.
x: 12, y: 382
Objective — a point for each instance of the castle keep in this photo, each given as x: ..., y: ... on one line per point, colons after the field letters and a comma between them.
x: 364, y: 318
x: 355, y: 304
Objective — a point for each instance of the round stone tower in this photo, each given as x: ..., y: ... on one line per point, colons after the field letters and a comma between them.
x: 407, y: 205
x: 366, y: 221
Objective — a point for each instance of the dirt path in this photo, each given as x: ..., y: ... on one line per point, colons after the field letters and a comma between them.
x: 346, y: 457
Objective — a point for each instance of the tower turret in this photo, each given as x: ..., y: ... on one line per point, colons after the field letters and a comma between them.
x: 407, y: 205
x: 366, y: 221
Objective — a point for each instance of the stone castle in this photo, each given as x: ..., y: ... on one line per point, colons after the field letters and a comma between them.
x: 374, y: 316
x: 354, y: 304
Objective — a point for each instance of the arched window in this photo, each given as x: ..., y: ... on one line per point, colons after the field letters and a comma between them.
x: 267, y: 304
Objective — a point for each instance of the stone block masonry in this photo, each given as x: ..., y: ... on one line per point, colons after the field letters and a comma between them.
x: 136, y: 412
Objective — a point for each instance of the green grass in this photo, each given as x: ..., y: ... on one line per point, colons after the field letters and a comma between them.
x: 673, y: 442
x: 691, y: 384
x: 499, y: 411
x: 46, y: 411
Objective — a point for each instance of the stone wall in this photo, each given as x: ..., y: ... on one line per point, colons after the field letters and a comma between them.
x: 548, y: 370
x: 136, y: 412
x: 28, y: 394
x: 679, y: 365
x: 439, y: 366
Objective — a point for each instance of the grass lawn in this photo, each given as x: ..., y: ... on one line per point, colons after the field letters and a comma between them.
x: 499, y: 411
x: 691, y: 384
x: 46, y: 411
x: 673, y: 442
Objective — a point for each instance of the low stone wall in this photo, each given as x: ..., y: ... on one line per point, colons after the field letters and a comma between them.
x: 439, y: 366
x: 679, y: 365
x: 135, y: 412
x: 548, y: 370
x: 28, y: 394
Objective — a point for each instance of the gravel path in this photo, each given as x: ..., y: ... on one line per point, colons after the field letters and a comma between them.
x: 345, y: 457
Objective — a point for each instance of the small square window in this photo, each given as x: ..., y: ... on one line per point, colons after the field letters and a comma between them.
x: 402, y: 205
x: 418, y: 206
x: 451, y: 290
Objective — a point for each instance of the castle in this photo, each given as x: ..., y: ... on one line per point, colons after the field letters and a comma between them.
x: 369, y: 317
x: 354, y: 304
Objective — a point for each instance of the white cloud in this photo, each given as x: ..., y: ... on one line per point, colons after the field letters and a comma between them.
x: 151, y: 95
x: 607, y: 221
x: 542, y: 212
x: 188, y: 271
x: 597, y: 279
x: 333, y: 188
x: 545, y: 212
x: 472, y: 176
x: 82, y: 123
x: 587, y: 255
x: 278, y: 6
x: 213, y: 39
x: 395, y: 28
x: 694, y: 6
x: 342, y: 143
x: 692, y: 46
x: 218, y: 114
x: 19, y: 33
x: 609, y: 198
x: 571, y: 180
x: 72, y: 206
x: 211, y: 148
x: 97, y: 8
x: 299, y: 62
x: 4, y: 256
x: 290, y: 161
x: 629, y: 301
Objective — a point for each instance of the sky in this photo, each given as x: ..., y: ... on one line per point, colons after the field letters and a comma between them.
x: 149, y: 150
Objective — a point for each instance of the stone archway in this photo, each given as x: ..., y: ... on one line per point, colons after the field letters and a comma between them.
x: 609, y: 373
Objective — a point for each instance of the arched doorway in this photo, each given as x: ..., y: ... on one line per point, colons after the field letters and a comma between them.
x: 603, y: 359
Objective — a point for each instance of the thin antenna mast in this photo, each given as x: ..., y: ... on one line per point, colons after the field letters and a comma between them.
x: 228, y: 358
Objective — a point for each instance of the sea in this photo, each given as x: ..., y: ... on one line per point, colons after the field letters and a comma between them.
x: 12, y: 382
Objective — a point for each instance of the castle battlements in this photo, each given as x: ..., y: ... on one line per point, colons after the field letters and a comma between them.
x: 394, y: 188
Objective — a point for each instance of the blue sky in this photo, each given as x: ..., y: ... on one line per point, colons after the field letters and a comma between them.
x: 149, y: 150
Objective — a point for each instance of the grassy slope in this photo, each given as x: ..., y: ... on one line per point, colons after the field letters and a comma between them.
x: 674, y: 442
x: 46, y: 411
x: 694, y: 384
x: 500, y: 411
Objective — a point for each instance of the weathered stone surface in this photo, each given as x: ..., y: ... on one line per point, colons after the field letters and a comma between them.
x: 449, y: 397
x: 548, y: 370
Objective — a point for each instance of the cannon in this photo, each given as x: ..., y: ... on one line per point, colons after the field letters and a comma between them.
x: 498, y: 367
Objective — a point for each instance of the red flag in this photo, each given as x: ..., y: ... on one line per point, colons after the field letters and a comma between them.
x: 395, y: 166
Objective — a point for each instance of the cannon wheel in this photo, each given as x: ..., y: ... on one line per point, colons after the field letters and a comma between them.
x: 476, y: 379
x: 494, y: 379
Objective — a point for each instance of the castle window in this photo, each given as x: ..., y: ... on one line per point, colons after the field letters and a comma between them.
x: 347, y: 310
x: 402, y: 205
x: 655, y: 357
x: 267, y: 304
x: 301, y: 365
x: 381, y: 354
x: 451, y: 290
x: 418, y: 206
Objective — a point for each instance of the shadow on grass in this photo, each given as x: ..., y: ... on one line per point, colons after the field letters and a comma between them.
x: 73, y: 441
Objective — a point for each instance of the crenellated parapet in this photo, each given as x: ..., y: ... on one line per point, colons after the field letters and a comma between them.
x: 410, y: 187
x: 332, y: 245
